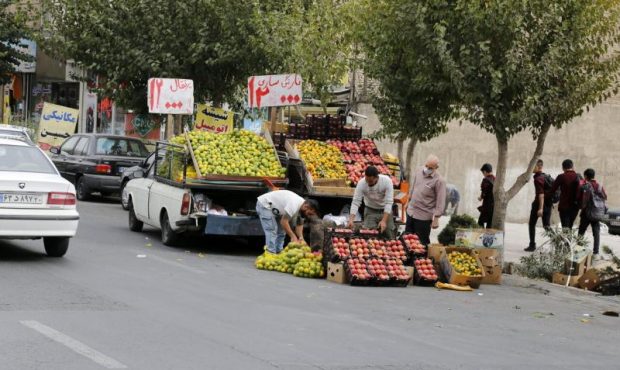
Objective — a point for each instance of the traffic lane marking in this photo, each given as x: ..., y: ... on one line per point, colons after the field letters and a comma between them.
x: 74, y: 345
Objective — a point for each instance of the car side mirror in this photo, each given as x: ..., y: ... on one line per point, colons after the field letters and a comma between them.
x: 138, y: 173
x: 55, y: 150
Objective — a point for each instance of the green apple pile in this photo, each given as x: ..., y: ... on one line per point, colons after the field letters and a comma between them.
x: 238, y: 153
x: 296, y: 259
x: 309, y: 268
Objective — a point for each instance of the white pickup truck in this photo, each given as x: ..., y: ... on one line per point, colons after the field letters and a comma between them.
x: 165, y: 199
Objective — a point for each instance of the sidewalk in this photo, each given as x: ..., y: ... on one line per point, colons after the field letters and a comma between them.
x: 516, y: 239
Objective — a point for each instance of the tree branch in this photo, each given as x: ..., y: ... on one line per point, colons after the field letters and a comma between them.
x: 524, y: 177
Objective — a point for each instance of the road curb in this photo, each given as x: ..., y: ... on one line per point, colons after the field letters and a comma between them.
x: 523, y: 282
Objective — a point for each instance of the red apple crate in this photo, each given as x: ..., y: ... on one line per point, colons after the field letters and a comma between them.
x: 424, y: 281
x: 355, y: 281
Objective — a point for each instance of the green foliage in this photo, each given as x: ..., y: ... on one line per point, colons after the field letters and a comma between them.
x: 403, y: 52
x: 550, y: 256
x: 12, y: 30
x: 447, y: 236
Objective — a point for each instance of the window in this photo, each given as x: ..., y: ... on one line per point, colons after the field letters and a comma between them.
x: 68, y: 146
x: 120, y: 147
x: 18, y: 158
x: 82, y: 146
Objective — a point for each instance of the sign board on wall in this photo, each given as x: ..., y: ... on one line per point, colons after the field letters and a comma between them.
x: 57, y: 123
x: 170, y: 96
x: 143, y: 126
x: 274, y: 90
x: 29, y: 48
x: 213, y: 119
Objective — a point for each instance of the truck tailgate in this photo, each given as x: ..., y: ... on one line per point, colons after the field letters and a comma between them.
x: 233, y: 225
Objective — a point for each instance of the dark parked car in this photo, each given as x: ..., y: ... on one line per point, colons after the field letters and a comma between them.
x: 613, y: 221
x: 94, y: 162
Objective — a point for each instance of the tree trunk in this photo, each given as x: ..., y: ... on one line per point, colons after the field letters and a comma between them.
x: 409, y: 158
x: 400, y: 143
x: 503, y: 197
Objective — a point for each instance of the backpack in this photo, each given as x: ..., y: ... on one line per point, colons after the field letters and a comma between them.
x: 555, y: 197
x: 593, y: 203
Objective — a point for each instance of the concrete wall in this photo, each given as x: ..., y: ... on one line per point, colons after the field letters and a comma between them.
x: 592, y: 140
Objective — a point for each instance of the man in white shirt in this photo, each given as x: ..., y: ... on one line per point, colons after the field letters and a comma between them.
x: 276, y: 209
x: 377, y: 191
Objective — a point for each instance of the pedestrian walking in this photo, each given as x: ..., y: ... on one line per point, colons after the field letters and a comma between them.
x: 377, y: 192
x: 486, y: 196
x: 568, y: 183
x: 427, y: 198
x: 542, y: 204
x: 592, y: 198
x: 277, y: 210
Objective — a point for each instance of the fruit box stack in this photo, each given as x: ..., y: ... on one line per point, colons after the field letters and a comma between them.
x: 365, y: 259
x: 574, y: 268
x: 491, y: 260
x: 451, y: 274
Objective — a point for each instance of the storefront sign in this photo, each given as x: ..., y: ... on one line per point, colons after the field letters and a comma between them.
x: 142, y: 126
x: 274, y: 90
x: 170, y: 96
x: 29, y: 48
x: 213, y: 119
x: 56, y: 124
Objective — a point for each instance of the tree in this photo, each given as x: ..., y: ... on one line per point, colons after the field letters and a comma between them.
x: 528, y: 65
x: 216, y: 43
x: 12, y: 31
x: 416, y: 97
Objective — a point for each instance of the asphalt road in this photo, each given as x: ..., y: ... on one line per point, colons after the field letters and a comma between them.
x: 123, y: 300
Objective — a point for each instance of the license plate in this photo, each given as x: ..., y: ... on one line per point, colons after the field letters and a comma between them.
x: 614, y: 223
x: 17, y: 198
x: 121, y: 169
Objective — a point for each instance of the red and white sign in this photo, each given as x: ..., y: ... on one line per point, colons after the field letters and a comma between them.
x: 170, y: 96
x: 274, y: 90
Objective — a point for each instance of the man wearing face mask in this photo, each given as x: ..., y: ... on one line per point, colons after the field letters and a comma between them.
x: 427, y: 199
x: 377, y: 191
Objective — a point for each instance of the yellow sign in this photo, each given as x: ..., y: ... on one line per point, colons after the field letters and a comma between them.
x: 57, y: 124
x: 213, y: 119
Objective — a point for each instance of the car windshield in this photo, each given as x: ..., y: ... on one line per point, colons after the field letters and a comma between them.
x: 120, y: 147
x: 19, y: 158
x: 13, y: 133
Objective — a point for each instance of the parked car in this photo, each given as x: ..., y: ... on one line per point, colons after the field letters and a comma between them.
x: 133, y: 173
x: 35, y: 201
x: 94, y: 162
x: 18, y: 131
x: 613, y: 221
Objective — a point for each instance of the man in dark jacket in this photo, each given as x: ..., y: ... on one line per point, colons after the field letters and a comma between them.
x: 568, y: 183
x: 541, y: 206
x: 486, y: 196
x: 589, y: 187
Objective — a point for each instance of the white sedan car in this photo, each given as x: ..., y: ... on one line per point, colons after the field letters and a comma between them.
x: 35, y: 201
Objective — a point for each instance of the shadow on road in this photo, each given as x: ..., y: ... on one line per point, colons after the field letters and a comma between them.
x: 12, y: 253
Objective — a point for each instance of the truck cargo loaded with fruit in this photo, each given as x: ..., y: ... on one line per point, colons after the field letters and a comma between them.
x: 206, y: 183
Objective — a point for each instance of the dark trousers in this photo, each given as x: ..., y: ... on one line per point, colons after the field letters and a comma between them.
x: 567, y: 217
x: 546, y: 221
x: 584, y: 222
x: 485, y: 221
x: 421, y: 228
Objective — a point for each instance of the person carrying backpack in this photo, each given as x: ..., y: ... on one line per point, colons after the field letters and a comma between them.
x: 542, y: 204
x: 592, y: 197
x: 568, y: 183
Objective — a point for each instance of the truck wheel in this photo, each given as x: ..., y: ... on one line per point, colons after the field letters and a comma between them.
x: 80, y: 189
x: 56, y: 247
x: 168, y: 236
x: 134, y: 224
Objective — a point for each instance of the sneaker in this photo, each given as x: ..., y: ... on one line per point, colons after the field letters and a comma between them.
x: 530, y: 249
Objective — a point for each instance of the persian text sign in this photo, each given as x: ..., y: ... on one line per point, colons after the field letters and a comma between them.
x: 213, y: 119
x: 57, y: 123
x: 274, y: 90
x: 170, y: 96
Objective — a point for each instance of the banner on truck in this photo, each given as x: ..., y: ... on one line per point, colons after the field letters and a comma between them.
x: 274, y: 90
x: 56, y: 124
x: 170, y: 96
x: 213, y: 119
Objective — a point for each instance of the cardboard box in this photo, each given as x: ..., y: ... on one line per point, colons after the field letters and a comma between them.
x: 489, y: 257
x: 479, y: 238
x: 590, y: 280
x: 561, y: 279
x: 492, y: 275
x: 453, y: 277
x: 335, y: 273
x: 434, y: 252
x: 410, y: 272
x: 578, y: 265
